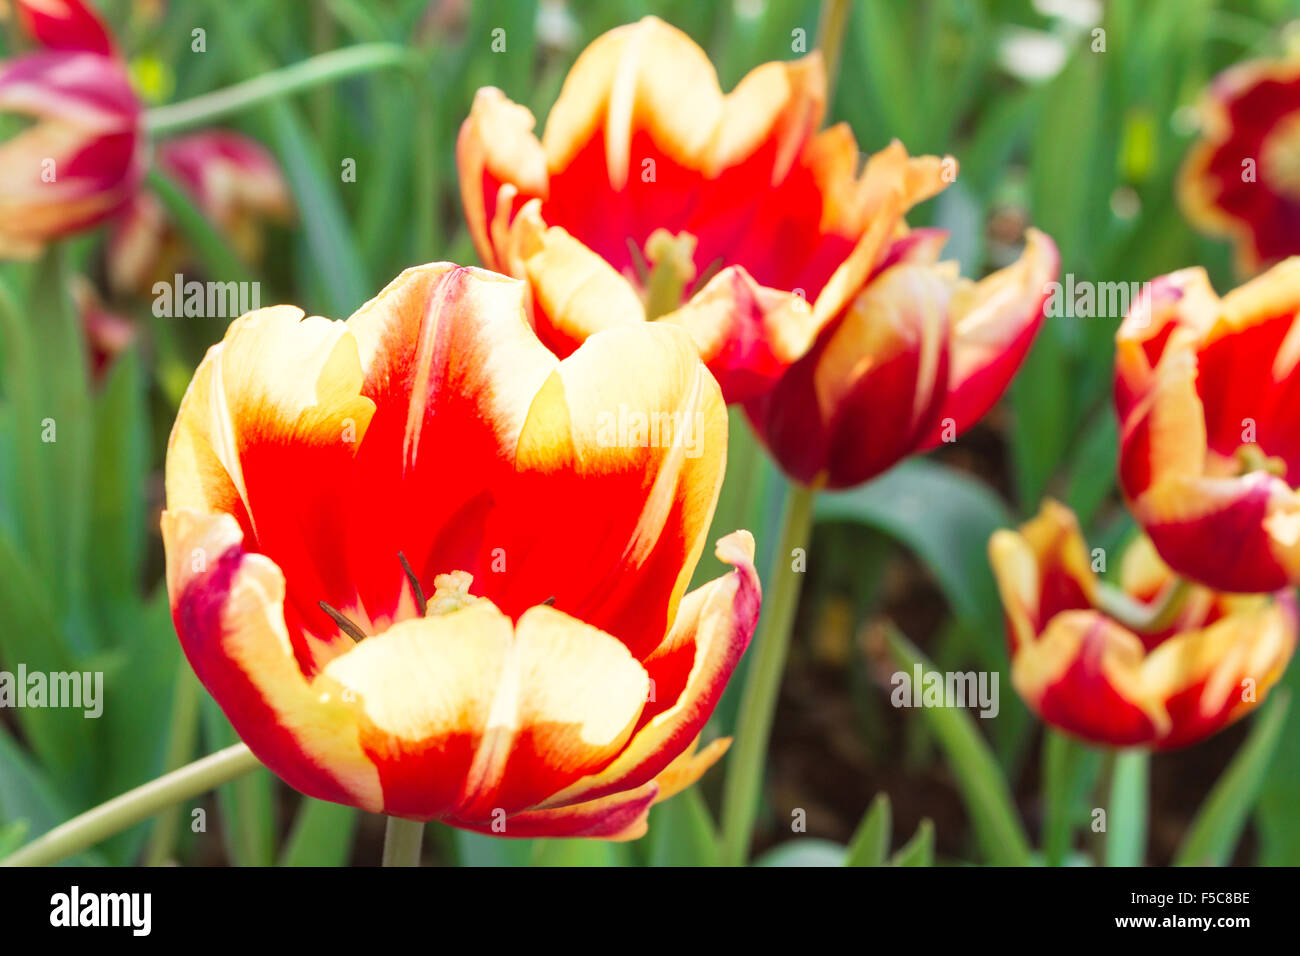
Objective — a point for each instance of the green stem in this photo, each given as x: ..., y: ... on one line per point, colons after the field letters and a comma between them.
x: 758, y: 703
x: 180, y: 746
x: 277, y: 84
x: 132, y: 807
x: 1126, y: 824
x: 402, y: 839
x: 830, y: 40
x: 1056, y: 796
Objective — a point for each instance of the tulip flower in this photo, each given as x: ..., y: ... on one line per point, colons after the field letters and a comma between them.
x: 729, y: 216
x: 82, y: 158
x: 917, y: 356
x: 234, y: 182
x: 1242, y: 178
x: 1082, y: 669
x: 429, y: 569
x: 1205, y: 390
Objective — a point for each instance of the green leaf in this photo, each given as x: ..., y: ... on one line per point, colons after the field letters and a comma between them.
x: 322, y: 835
x: 479, y: 849
x: 682, y: 832
x: 1279, y: 834
x: 870, y: 843
x: 945, y: 516
x: 985, y: 791
x: 918, y: 851
x: 807, y: 851
x: 566, y: 852
x: 1214, y: 833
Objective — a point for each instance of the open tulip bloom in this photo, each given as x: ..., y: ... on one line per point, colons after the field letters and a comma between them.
x: 1170, y: 684
x: 1206, y: 390
x: 737, y: 220
x: 83, y: 158
x: 418, y: 581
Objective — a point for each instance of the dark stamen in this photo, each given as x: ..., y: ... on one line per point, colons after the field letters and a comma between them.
x: 345, y: 625
x: 638, y: 262
x: 712, y: 269
x: 420, y: 602
x: 550, y: 601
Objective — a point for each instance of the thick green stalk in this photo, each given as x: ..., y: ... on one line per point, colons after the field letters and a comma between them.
x: 402, y: 839
x: 107, y: 819
x: 1126, y: 823
x: 277, y: 84
x: 758, y: 703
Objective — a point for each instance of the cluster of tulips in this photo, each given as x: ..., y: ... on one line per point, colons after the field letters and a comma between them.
x: 407, y: 561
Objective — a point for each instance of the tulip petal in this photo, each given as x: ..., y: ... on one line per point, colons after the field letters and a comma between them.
x: 65, y: 25
x: 994, y: 322
x: 227, y: 605
x: 618, y: 817
x: 689, y: 671
x: 618, y: 467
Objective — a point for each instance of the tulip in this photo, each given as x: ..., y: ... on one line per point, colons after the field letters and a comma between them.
x: 1205, y: 390
x: 82, y: 159
x: 917, y: 357
x: 1082, y: 669
x: 1242, y: 178
x: 651, y: 195
x: 232, y: 179
x: 425, y: 571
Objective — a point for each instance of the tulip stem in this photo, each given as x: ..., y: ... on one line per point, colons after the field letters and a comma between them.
x: 830, y: 40
x: 318, y: 70
x: 108, y: 819
x: 1126, y: 828
x: 402, y: 840
x: 1146, y: 618
x: 762, y: 684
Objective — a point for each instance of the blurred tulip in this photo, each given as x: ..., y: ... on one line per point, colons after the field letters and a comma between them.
x: 106, y: 332
x: 1206, y: 390
x: 324, y: 478
x: 1242, y: 179
x: 82, y: 158
x: 652, y: 195
x: 234, y: 181
x: 1083, y: 671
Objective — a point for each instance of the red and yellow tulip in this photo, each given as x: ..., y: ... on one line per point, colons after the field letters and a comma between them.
x: 1242, y: 179
x: 428, y: 477
x: 1206, y: 391
x: 235, y: 183
x: 730, y: 216
x: 1083, y: 671
x: 82, y: 158
x: 917, y: 356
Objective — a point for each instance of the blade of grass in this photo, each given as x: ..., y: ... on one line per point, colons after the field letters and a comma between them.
x: 870, y: 843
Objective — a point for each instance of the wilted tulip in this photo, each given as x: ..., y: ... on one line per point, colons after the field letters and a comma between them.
x: 1082, y: 670
x: 424, y: 573
x: 1206, y: 390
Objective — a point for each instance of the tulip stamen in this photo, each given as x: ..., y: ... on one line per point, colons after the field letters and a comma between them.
x: 712, y: 269
x: 420, y: 604
x: 638, y: 262
x: 673, y: 270
x: 550, y: 601
x: 346, y: 625
x: 451, y: 594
